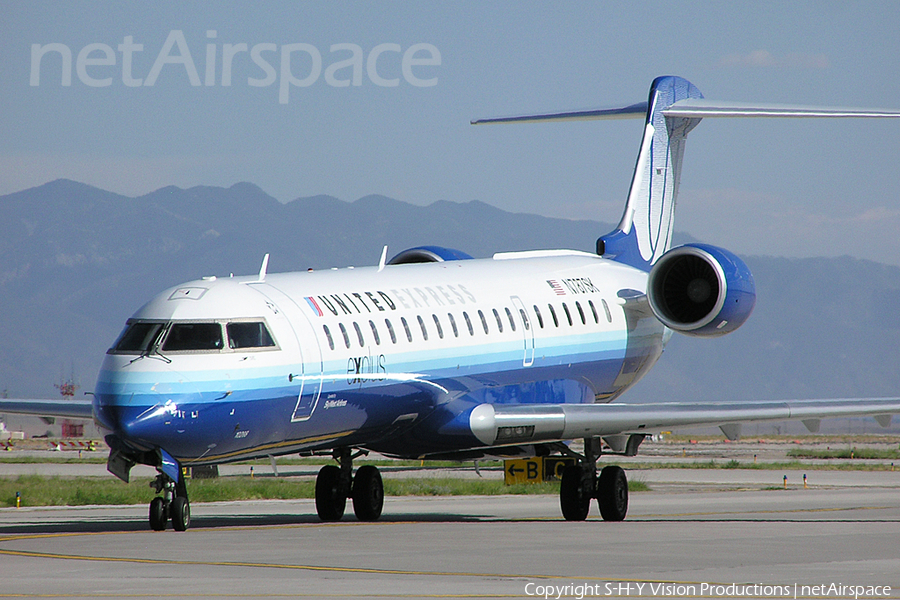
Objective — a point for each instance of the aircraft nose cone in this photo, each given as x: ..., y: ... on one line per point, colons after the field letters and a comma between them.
x: 144, y: 404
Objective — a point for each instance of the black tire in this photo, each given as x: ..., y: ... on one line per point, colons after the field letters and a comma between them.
x: 181, y: 513
x: 574, y: 499
x: 612, y: 493
x: 158, y: 514
x: 368, y: 494
x: 330, y: 497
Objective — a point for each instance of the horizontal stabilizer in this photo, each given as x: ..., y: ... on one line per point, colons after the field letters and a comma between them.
x: 705, y: 108
x: 633, y: 111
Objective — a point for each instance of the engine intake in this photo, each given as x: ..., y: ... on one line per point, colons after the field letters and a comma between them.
x: 701, y: 290
x: 428, y: 254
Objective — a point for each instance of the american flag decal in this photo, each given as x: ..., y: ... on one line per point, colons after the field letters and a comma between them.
x: 556, y: 287
x: 313, y: 305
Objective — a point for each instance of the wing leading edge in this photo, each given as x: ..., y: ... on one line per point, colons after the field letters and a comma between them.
x: 66, y: 409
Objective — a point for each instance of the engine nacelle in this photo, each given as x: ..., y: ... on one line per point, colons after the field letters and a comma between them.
x: 427, y: 254
x: 701, y: 290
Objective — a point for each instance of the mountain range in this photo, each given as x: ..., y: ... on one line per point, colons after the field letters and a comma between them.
x: 77, y: 261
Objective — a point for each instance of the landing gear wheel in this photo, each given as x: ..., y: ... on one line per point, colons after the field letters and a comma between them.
x: 574, y: 499
x: 158, y: 515
x: 612, y: 493
x: 330, y: 496
x: 181, y: 513
x: 368, y: 494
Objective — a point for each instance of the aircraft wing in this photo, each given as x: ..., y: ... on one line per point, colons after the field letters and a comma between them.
x: 498, y: 424
x: 66, y: 409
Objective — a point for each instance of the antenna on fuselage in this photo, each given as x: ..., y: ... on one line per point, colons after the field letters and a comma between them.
x: 262, y: 269
x: 383, y: 259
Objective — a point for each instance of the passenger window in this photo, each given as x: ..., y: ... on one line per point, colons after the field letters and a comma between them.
x: 483, y: 321
x: 553, y: 314
x: 138, y: 337
x: 344, y: 333
x: 568, y: 314
x: 390, y: 329
x: 406, y: 328
x: 594, y: 311
x: 512, y: 323
x: 359, y: 335
x: 499, y: 322
x: 468, y: 323
x: 537, y: 313
x: 375, y: 333
x: 524, y: 319
x: 328, y: 336
x: 580, y: 312
x: 422, y: 325
x: 453, y: 324
x: 606, y: 308
x: 193, y: 336
x: 249, y: 335
x: 437, y: 324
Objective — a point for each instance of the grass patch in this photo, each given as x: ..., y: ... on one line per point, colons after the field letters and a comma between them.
x: 16, y: 459
x: 791, y: 465
x: 848, y: 453
x: 637, y: 485
x: 37, y: 490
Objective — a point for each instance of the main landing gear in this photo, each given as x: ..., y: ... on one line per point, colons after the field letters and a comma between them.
x: 580, y: 484
x: 173, y: 504
x: 335, y: 484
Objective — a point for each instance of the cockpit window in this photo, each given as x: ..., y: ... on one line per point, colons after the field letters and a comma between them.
x: 138, y: 337
x: 249, y: 335
x: 193, y: 336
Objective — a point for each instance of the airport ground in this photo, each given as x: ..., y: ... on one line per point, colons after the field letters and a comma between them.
x: 726, y: 532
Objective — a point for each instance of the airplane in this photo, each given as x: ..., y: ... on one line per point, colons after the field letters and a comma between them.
x: 434, y: 354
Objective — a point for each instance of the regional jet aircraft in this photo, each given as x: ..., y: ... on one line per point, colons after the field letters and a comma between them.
x: 433, y: 354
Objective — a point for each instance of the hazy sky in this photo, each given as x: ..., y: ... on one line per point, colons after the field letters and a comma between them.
x: 350, y: 99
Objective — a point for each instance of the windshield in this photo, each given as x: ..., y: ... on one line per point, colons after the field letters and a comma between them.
x: 138, y: 337
x: 147, y: 337
x: 193, y: 336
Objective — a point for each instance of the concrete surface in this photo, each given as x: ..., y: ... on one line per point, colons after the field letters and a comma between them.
x: 485, y: 547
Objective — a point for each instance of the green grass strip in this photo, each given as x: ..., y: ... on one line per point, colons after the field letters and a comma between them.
x: 848, y: 453
x: 36, y: 490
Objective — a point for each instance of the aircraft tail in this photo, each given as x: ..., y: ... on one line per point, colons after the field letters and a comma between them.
x: 675, y: 106
x: 645, y: 231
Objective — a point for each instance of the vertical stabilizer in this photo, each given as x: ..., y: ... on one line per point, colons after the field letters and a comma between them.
x: 645, y: 231
x: 673, y: 109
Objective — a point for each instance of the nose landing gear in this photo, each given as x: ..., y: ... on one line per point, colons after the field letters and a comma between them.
x: 173, y: 504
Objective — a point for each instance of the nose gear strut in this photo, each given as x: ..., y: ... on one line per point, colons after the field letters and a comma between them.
x: 172, y: 504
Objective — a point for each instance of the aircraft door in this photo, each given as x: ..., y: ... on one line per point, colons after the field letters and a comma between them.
x: 527, y: 326
x: 307, y: 375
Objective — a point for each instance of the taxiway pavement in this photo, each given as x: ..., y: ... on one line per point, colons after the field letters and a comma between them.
x: 502, y: 546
